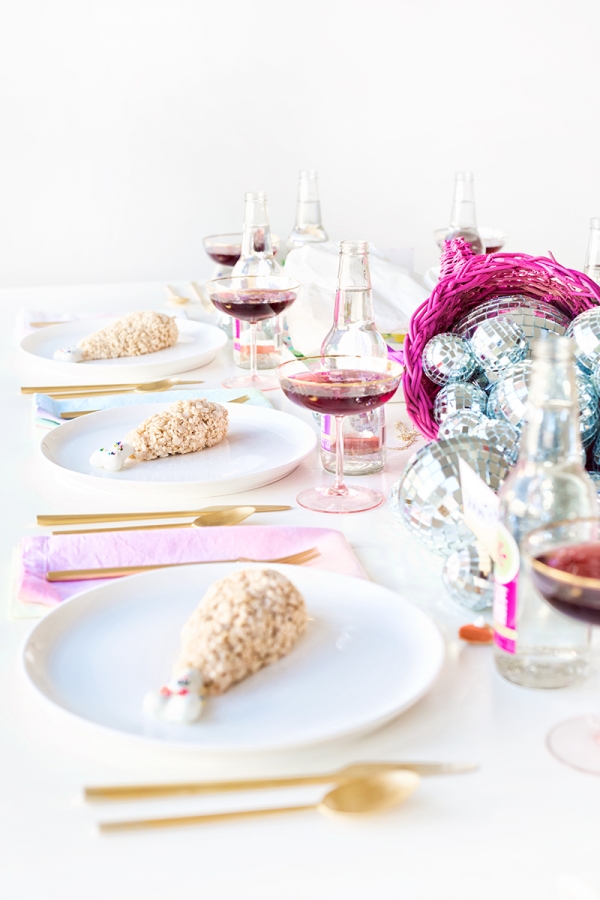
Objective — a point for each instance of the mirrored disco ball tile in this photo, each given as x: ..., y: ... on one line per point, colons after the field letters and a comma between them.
x: 536, y: 318
x: 448, y: 357
x: 428, y: 499
x: 502, y: 435
x: 585, y: 331
x: 463, y: 422
x: 498, y: 343
x: 512, y: 392
x: 457, y: 396
x: 468, y: 578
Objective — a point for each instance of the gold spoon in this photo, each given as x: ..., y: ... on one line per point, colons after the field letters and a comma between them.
x: 363, y: 796
x: 221, y: 517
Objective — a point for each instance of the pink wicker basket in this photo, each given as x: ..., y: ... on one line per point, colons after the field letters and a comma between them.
x: 465, y: 282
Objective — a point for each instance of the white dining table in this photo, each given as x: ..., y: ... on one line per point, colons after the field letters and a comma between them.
x: 523, y: 826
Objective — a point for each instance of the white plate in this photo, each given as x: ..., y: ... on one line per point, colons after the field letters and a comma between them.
x: 197, y: 345
x: 367, y: 655
x: 262, y: 446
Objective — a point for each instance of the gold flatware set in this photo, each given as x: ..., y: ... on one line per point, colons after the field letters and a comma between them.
x: 359, y: 789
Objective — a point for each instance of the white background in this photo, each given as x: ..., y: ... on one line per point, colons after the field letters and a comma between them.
x: 131, y: 128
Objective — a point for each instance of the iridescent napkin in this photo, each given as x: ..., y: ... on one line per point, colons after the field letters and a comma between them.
x: 40, y: 554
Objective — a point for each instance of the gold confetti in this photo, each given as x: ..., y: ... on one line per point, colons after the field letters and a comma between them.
x: 408, y: 436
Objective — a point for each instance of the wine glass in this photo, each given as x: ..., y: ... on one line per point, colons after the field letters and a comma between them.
x: 564, y: 560
x: 226, y: 249
x: 340, y: 386
x: 252, y: 298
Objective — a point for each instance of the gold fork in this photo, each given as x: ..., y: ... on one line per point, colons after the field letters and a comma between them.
x: 294, y: 559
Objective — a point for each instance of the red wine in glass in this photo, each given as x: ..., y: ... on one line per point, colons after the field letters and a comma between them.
x: 568, y: 578
x: 357, y: 391
x: 225, y: 256
x: 252, y: 306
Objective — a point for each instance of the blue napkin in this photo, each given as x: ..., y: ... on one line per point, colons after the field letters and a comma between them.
x: 46, y: 411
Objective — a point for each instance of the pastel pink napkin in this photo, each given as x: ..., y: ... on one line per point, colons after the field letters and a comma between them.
x: 41, y: 554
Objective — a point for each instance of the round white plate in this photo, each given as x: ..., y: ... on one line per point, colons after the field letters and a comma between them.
x: 262, y: 446
x: 197, y: 345
x: 366, y: 656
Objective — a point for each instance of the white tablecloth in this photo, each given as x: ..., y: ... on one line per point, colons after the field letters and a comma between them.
x: 521, y: 827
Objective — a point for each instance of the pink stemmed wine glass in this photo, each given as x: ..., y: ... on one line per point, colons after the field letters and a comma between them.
x: 564, y: 562
x: 252, y: 298
x: 340, y: 386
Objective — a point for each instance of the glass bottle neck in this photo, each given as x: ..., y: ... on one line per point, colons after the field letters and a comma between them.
x: 592, y: 258
x: 551, y: 433
x: 308, y: 209
x: 354, y: 297
x: 256, y: 239
x: 463, y: 206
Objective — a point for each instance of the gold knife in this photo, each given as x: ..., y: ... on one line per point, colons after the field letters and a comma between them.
x: 347, y: 773
x: 91, y: 518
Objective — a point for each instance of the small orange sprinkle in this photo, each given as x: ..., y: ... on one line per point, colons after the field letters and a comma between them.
x: 473, y: 634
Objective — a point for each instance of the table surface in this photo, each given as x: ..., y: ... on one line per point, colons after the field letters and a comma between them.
x: 523, y: 826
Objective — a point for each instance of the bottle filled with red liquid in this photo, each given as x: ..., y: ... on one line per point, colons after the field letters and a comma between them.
x: 257, y: 258
x: 354, y: 333
x: 534, y: 645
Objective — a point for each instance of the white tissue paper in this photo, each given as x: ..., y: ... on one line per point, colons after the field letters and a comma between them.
x: 396, y: 294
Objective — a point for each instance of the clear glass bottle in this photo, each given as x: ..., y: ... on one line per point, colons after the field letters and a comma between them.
x: 257, y: 259
x: 354, y: 332
x: 308, y: 228
x: 534, y: 645
x: 463, y: 220
x: 592, y: 257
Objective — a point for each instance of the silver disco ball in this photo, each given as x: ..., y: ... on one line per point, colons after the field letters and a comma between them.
x: 463, y: 422
x: 448, y: 357
x: 502, y: 436
x: 585, y: 331
x: 467, y: 576
x: 428, y: 498
x: 510, y: 398
x: 589, y: 413
x: 498, y: 343
x: 536, y: 318
x: 456, y: 396
x: 596, y: 377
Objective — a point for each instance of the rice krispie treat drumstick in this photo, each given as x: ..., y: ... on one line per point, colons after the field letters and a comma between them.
x: 183, y: 427
x: 133, y: 335
x: 245, y: 621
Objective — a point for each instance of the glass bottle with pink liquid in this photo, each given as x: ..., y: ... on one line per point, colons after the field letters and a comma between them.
x: 257, y: 258
x: 354, y: 333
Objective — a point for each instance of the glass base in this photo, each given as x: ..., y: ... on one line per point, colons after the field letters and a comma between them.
x: 576, y: 742
x: 257, y: 383
x: 323, y: 499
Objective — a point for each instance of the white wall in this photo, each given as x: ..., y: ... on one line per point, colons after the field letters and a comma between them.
x: 131, y: 128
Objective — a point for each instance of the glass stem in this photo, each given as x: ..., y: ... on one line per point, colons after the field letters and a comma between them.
x: 253, y: 373
x: 339, y: 487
